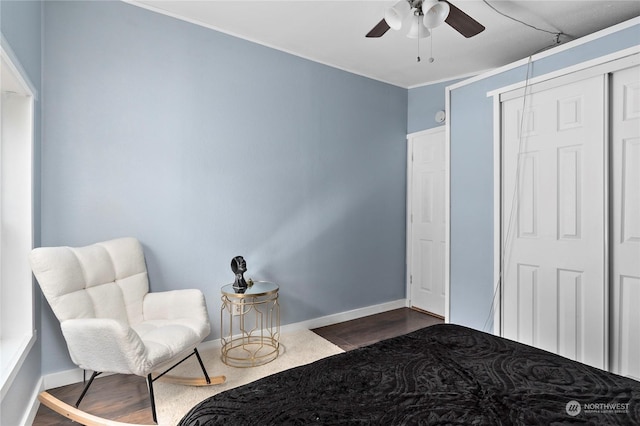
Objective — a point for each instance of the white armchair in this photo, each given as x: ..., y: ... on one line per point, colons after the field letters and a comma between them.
x: 110, y: 321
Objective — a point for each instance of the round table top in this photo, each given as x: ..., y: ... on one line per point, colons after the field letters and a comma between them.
x: 259, y: 288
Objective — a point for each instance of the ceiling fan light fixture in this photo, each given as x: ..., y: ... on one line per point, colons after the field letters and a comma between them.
x: 417, y: 29
x: 435, y: 12
x: 396, y: 14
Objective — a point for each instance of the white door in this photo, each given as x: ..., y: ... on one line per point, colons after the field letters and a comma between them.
x: 553, y: 198
x: 427, y: 217
x: 625, y: 222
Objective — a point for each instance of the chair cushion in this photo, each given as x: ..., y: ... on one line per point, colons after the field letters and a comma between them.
x: 103, y: 280
x: 164, y: 339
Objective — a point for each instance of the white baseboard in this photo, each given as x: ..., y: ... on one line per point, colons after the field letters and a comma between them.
x: 62, y: 378
x: 75, y: 375
x: 344, y: 316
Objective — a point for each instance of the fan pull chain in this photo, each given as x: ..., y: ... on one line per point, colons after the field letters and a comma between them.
x: 419, y: 28
x: 431, y: 50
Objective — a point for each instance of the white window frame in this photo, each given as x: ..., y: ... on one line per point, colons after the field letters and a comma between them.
x: 17, y: 333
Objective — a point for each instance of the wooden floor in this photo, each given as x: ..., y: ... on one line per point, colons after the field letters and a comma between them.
x: 125, y: 398
x: 365, y: 331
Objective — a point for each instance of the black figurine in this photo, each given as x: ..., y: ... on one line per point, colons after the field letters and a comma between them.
x: 239, y: 267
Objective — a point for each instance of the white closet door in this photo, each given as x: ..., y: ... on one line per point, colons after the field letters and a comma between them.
x: 553, y: 199
x: 625, y: 222
x: 428, y: 227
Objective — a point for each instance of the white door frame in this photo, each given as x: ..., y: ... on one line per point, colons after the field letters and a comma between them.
x: 605, y: 64
x: 410, y: 136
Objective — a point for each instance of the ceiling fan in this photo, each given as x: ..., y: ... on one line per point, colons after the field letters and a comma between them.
x: 432, y: 12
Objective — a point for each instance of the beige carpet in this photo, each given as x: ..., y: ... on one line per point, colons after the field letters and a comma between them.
x: 174, y: 401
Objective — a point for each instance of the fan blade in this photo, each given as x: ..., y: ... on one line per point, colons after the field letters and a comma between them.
x: 379, y: 30
x: 463, y: 23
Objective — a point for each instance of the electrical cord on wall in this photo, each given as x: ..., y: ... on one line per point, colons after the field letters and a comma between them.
x: 498, y: 287
x: 557, y: 34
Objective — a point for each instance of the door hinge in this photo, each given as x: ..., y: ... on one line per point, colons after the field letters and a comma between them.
x: 410, y: 279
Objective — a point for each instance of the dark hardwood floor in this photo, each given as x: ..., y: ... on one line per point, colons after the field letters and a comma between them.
x: 365, y: 331
x: 124, y: 398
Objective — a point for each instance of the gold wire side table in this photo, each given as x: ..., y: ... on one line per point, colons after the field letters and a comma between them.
x: 250, y: 325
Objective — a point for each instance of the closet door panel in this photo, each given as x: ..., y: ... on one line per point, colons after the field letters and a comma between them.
x: 625, y: 222
x: 553, y: 199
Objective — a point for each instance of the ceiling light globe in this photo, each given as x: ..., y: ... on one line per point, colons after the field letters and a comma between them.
x: 396, y: 14
x: 435, y: 13
x: 418, y: 30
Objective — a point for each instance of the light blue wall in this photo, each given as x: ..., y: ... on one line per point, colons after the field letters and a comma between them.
x: 20, y: 24
x: 205, y: 146
x: 472, y: 176
x: 423, y: 104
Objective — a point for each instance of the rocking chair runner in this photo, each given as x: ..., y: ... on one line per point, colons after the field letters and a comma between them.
x: 110, y: 321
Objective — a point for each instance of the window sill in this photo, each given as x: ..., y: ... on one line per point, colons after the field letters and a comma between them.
x: 13, y: 352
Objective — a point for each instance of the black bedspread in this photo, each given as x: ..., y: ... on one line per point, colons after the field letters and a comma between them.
x: 439, y: 375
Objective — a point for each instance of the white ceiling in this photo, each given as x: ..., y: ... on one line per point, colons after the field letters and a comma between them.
x: 333, y: 32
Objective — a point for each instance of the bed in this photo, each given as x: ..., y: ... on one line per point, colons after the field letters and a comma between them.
x: 442, y: 374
